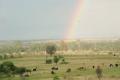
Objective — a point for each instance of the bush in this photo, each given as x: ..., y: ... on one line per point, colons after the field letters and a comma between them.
x: 49, y: 61
x: 56, y: 78
x: 56, y: 59
x: 68, y: 70
x: 7, y: 68
x: 20, y: 70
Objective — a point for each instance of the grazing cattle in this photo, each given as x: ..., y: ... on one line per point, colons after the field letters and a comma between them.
x: 114, y: 55
x: 25, y: 75
x: 52, y: 72
x: 35, y: 69
x: 28, y: 71
x: 93, y: 67
x: 81, y: 68
x: 68, y: 70
x: 116, y: 65
x: 54, y: 68
x: 110, y: 65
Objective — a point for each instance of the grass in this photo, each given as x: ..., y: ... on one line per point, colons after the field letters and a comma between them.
x: 75, y: 61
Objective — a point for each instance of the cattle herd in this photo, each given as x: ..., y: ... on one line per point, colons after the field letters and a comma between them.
x: 53, y: 69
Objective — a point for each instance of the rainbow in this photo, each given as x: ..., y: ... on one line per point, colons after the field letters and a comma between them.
x: 74, y: 20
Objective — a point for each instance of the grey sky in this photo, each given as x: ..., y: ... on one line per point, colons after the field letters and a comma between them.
x: 48, y: 19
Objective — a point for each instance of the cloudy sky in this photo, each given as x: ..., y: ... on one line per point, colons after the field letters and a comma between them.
x: 48, y: 19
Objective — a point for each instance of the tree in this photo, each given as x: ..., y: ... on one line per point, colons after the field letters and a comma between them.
x: 56, y: 59
x: 7, y: 68
x: 51, y: 49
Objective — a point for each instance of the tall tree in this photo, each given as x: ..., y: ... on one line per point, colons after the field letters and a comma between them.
x: 51, y: 49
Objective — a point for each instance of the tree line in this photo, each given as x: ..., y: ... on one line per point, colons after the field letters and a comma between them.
x: 19, y: 46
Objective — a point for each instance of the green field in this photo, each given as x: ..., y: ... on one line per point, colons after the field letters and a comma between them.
x: 75, y: 61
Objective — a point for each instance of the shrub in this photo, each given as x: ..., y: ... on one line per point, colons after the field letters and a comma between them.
x: 20, y: 70
x: 49, y: 61
x: 56, y: 78
x: 56, y: 59
x: 68, y: 70
x: 8, y: 69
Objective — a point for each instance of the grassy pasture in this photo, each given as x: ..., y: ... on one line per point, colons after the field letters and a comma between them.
x: 75, y: 61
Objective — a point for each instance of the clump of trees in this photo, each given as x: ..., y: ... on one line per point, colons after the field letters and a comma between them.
x: 50, y: 50
x: 56, y: 59
x: 8, y: 69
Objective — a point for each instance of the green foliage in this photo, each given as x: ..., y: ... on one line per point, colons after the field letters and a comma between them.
x: 48, y: 61
x: 68, y: 70
x: 60, y: 59
x: 20, y: 70
x: 51, y: 49
x: 56, y: 78
x: 7, y: 68
x: 56, y: 59
x: 19, y: 46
